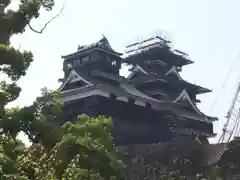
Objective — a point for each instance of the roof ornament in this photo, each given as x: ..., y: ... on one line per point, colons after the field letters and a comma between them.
x: 103, y: 36
x: 80, y: 47
x: 104, y: 39
x: 104, y: 43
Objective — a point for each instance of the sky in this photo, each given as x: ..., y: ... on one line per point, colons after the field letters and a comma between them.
x: 207, y: 30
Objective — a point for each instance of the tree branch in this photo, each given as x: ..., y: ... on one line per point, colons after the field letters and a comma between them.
x: 46, y: 24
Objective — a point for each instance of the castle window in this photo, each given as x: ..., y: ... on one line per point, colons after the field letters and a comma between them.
x: 69, y: 65
x: 148, y: 105
x: 114, y: 63
x: 76, y: 62
x: 85, y: 59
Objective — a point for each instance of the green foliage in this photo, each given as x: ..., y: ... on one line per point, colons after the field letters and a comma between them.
x: 81, y: 150
x: 34, y: 120
x: 13, y: 62
x: 84, y: 151
x: 9, y: 150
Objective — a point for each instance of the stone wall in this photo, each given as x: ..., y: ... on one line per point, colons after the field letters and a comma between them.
x: 145, y: 161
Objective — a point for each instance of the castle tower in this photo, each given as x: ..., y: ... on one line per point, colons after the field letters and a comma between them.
x: 155, y: 72
x: 154, y: 104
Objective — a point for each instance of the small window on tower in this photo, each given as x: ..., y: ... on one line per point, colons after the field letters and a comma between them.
x: 114, y: 63
x: 69, y: 66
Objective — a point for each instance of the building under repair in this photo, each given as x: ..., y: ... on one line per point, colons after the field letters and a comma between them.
x: 151, y: 107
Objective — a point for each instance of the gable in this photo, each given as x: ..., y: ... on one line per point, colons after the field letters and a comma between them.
x: 137, y: 70
x: 74, y: 81
x: 104, y: 44
x: 173, y: 71
x: 184, y: 99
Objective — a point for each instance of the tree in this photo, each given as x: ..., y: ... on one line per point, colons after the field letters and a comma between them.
x: 13, y: 64
x: 81, y: 150
x: 74, y: 151
x: 85, y: 151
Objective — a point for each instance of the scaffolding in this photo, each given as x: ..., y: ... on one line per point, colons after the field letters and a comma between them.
x: 144, y: 46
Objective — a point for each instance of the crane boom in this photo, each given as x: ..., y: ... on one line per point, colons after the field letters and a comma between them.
x: 233, y: 118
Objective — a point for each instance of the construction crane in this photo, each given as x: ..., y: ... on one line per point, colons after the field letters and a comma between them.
x: 232, y: 126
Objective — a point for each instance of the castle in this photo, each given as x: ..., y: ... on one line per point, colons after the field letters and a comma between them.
x: 153, y: 104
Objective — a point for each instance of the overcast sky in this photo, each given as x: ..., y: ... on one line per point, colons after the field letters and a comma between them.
x: 207, y: 30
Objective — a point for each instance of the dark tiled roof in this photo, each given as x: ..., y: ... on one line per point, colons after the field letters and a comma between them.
x: 109, y: 76
x: 123, y: 89
x: 133, y: 57
x: 128, y: 90
x: 169, y: 79
x: 185, y: 112
x: 102, y: 44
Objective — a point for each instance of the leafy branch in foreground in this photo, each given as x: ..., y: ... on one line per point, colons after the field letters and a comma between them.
x: 85, y: 150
